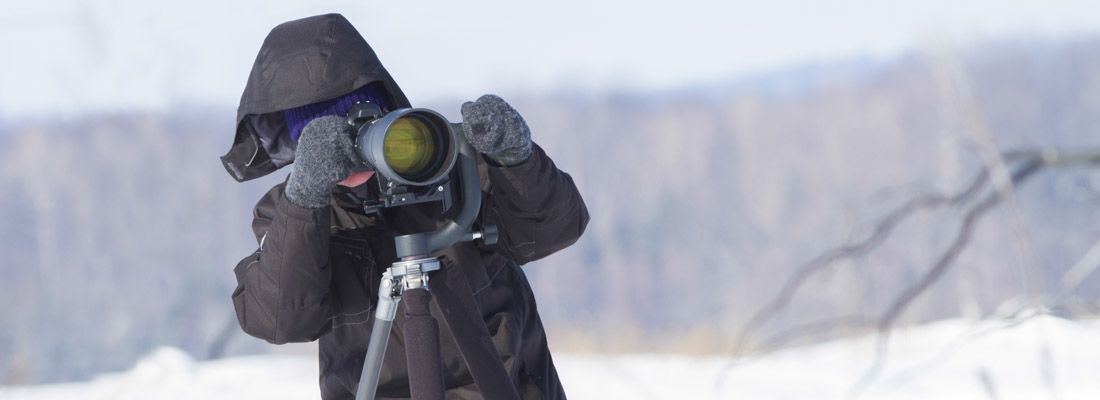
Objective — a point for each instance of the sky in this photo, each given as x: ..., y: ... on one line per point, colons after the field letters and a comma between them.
x: 86, y: 56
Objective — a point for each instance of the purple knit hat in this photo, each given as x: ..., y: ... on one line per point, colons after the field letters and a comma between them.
x: 297, y: 118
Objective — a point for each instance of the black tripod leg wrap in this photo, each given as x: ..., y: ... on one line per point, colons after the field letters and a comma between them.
x: 471, y: 335
x: 422, y: 346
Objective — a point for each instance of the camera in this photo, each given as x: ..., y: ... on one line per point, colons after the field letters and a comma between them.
x: 412, y: 150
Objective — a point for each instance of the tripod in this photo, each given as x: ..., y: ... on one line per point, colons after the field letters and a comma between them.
x: 408, y: 279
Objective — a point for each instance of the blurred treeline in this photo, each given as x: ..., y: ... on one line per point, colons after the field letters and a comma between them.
x: 118, y: 233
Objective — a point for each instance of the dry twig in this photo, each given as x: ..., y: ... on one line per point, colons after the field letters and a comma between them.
x: 1026, y: 164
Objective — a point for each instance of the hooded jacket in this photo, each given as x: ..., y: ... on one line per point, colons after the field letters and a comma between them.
x: 316, y: 272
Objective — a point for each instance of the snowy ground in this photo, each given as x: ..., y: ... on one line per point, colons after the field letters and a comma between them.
x: 944, y: 360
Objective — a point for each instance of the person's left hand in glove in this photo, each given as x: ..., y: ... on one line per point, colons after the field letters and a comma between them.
x: 496, y: 130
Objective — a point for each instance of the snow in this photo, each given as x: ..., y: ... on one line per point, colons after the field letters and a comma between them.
x: 943, y: 360
x: 1042, y: 357
x: 169, y: 373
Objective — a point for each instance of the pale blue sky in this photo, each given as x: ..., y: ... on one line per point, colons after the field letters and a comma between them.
x: 119, y: 54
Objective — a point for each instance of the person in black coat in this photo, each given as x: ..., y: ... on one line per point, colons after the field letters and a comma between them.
x: 316, y: 271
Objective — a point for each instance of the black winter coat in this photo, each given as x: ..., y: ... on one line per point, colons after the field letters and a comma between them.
x: 316, y: 272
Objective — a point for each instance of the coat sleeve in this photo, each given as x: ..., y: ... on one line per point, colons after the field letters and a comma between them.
x: 536, y: 207
x: 282, y: 292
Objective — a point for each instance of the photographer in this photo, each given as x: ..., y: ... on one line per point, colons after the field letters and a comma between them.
x: 316, y: 272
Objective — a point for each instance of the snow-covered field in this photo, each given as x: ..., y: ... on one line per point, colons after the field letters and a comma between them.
x: 1042, y: 358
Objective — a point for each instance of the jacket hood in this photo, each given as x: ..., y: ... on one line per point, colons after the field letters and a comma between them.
x: 300, y: 62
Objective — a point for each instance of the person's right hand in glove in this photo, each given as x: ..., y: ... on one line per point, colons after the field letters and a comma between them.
x: 325, y: 156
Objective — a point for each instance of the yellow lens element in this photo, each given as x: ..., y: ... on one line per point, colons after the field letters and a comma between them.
x: 408, y: 146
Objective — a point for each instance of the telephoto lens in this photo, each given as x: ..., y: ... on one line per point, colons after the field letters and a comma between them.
x: 409, y: 146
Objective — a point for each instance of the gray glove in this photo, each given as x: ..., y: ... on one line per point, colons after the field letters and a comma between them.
x: 325, y: 156
x: 496, y: 130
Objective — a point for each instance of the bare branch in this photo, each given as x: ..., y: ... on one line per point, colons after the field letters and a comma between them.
x: 1028, y: 162
x: 902, y: 302
x: 1036, y: 162
x: 1082, y: 269
x: 881, y: 231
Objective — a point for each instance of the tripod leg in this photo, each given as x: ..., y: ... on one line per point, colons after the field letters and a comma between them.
x: 422, y: 347
x: 472, y: 338
x: 379, y: 339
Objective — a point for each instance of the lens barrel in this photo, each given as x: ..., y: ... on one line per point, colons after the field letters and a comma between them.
x: 410, y: 146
